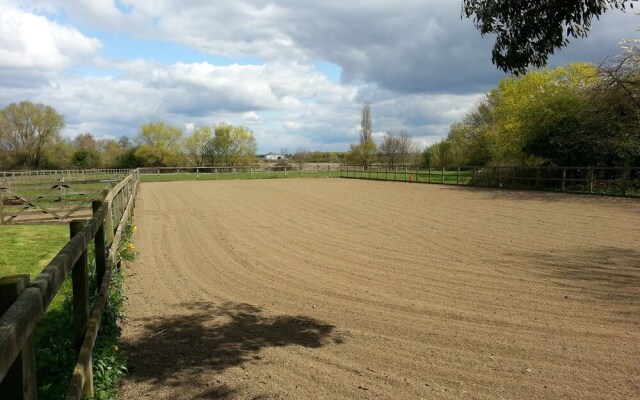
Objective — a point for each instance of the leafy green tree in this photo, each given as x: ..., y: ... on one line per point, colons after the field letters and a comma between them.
x: 27, y: 129
x: 159, y: 145
x: 527, y: 32
x: 232, y: 145
x: 58, y: 155
x: 86, y: 159
x: 242, y: 147
x: 197, y: 145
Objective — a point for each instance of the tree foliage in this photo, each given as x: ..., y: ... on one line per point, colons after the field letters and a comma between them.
x: 578, y: 115
x: 196, y: 145
x: 231, y: 145
x: 527, y: 32
x: 159, y: 144
x: 26, y: 129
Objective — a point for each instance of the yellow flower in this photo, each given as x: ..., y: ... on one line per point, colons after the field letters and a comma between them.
x: 116, y: 348
x: 132, y: 246
x: 135, y: 228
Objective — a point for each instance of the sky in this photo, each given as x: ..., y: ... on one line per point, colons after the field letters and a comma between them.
x: 297, y: 73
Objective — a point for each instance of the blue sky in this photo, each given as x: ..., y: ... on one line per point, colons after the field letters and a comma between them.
x: 295, y: 72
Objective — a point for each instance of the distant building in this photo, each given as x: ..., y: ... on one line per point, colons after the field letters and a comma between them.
x: 274, y: 157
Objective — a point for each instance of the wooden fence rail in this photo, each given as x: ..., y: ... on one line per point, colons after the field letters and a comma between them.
x: 10, y: 178
x: 23, y: 304
x: 606, y: 180
x: 308, y: 169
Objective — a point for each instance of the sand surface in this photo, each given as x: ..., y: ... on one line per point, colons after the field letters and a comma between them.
x: 345, y: 289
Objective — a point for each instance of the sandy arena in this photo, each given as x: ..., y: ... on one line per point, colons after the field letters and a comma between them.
x: 344, y: 289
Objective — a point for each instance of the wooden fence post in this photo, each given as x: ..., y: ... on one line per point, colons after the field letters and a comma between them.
x: 20, y: 381
x: 80, y: 277
x: 442, y: 175
x: 591, y: 179
x: 1, y: 208
x: 564, y: 178
x: 458, y: 176
x: 100, y: 248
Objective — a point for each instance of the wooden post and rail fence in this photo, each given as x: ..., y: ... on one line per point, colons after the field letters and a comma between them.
x: 605, y: 180
x: 23, y: 303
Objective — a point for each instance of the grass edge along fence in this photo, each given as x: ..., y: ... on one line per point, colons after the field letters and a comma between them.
x: 598, y: 180
x: 24, y: 303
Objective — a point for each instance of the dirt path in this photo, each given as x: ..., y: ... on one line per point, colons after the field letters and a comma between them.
x: 330, y: 289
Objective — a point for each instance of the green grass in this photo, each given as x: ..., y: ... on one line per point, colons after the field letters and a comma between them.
x: 169, y: 177
x: 27, y: 250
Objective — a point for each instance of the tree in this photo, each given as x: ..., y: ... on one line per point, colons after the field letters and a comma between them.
x: 85, y: 141
x: 110, y: 152
x: 27, y: 129
x: 242, y: 147
x: 300, y: 157
x: 232, y: 145
x: 159, y: 144
x: 394, y: 149
x: 86, y: 159
x: 58, y: 154
x: 364, y: 152
x: 197, y: 145
x: 527, y: 32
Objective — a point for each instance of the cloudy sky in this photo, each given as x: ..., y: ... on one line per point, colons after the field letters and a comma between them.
x: 295, y: 72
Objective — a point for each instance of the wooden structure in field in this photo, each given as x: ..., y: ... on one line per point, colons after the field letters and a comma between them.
x: 28, y: 197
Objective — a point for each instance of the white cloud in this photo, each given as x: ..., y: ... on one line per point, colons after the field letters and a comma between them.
x: 32, y: 42
x: 418, y: 63
x: 251, y: 117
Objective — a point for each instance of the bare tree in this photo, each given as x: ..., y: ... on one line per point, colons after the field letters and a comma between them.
x: 300, y: 157
x: 396, y: 150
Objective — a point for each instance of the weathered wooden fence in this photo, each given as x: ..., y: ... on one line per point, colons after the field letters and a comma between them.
x: 28, y: 197
x: 22, y: 303
x: 606, y: 180
x: 10, y: 178
x: 302, y: 170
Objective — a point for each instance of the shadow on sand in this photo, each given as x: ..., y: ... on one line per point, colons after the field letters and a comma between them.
x: 190, y: 348
x: 604, y: 273
x: 545, y: 196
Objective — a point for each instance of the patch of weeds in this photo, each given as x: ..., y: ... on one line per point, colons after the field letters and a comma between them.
x: 54, y: 336
x: 109, y: 364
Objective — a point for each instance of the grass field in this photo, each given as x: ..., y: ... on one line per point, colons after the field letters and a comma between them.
x: 28, y: 249
x: 166, y: 177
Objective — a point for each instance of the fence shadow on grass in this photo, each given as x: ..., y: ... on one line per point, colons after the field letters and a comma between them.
x: 189, y: 349
x: 604, y: 273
